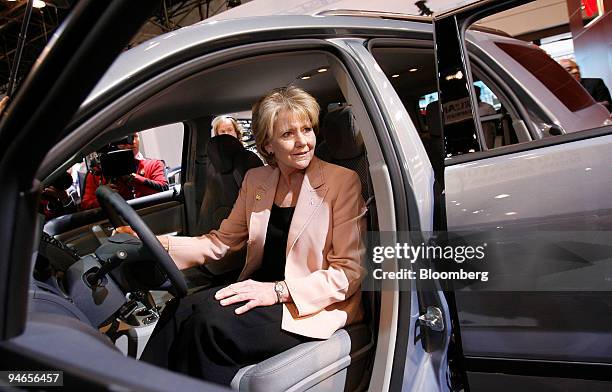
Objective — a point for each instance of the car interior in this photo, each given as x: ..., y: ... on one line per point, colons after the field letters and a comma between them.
x: 80, y: 274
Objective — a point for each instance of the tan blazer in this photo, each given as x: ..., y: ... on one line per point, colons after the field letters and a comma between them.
x: 324, y: 250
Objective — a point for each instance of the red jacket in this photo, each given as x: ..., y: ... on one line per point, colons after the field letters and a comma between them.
x: 149, y: 178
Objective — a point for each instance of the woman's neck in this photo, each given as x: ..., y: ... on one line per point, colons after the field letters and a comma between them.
x: 290, y: 175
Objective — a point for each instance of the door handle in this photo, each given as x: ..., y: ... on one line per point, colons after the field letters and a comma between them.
x: 432, y: 319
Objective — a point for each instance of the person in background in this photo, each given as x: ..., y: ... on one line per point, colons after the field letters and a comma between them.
x: 149, y: 177
x: 594, y: 86
x: 223, y: 125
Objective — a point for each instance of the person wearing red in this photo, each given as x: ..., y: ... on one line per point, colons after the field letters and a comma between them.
x: 148, y: 179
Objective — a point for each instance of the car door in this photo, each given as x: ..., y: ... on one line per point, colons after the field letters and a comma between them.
x: 543, y: 208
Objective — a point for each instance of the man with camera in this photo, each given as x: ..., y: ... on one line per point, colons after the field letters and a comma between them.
x: 125, y: 171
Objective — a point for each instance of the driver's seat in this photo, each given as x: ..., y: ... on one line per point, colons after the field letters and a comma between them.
x: 334, y: 364
x: 342, y: 362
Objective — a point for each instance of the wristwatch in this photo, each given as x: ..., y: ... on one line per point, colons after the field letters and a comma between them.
x: 279, y: 289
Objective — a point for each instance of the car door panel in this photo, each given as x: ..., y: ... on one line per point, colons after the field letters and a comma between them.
x: 566, y: 189
x: 564, y: 186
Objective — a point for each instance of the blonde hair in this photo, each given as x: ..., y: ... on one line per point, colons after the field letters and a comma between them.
x: 219, y: 119
x: 266, y: 110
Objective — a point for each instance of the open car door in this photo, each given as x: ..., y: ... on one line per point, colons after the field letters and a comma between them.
x: 542, y: 321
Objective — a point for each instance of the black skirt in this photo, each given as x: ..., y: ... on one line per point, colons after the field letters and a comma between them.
x: 199, y: 337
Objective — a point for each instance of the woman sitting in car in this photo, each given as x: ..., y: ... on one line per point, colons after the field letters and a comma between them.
x: 302, y: 220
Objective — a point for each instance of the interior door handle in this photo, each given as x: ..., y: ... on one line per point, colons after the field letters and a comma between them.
x: 432, y: 319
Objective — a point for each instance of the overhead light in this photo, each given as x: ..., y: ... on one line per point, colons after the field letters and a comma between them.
x: 305, y: 77
x: 38, y: 4
x: 413, y: 69
x: 395, y: 76
x: 320, y: 70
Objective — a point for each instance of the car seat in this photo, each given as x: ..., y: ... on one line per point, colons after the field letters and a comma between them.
x: 343, y: 145
x: 342, y: 362
x: 228, y: 162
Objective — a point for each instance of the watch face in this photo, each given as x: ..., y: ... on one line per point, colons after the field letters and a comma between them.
x: 278, y: 287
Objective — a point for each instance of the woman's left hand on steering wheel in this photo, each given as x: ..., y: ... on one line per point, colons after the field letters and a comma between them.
x: 253, y: 292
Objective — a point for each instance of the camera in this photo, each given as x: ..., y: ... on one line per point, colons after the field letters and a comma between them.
x: 118, y: 163
x: 112, y: 162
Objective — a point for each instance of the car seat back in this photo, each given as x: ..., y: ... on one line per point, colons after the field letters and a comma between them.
x: 344, y: 145
x: 228, y: 162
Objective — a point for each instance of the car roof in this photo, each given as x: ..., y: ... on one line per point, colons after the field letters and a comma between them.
x: 322, y: 7
x: 183, y: 40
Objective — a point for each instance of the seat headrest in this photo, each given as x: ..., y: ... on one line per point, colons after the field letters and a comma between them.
x: 341, y: 134
x: 433, y: 119
x: 222, y: 150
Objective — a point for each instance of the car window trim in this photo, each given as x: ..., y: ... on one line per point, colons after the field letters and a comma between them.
x: 400, y: 43
x: 532, y: 145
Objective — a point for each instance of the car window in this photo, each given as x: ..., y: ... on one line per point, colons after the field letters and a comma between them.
x: 497, y: 122
x: 547, y: 71
x: 520, y: 91
x: 566, y: 71
x: 135, y: 165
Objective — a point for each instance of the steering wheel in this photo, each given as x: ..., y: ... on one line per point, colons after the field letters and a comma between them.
x: 116, y: 208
